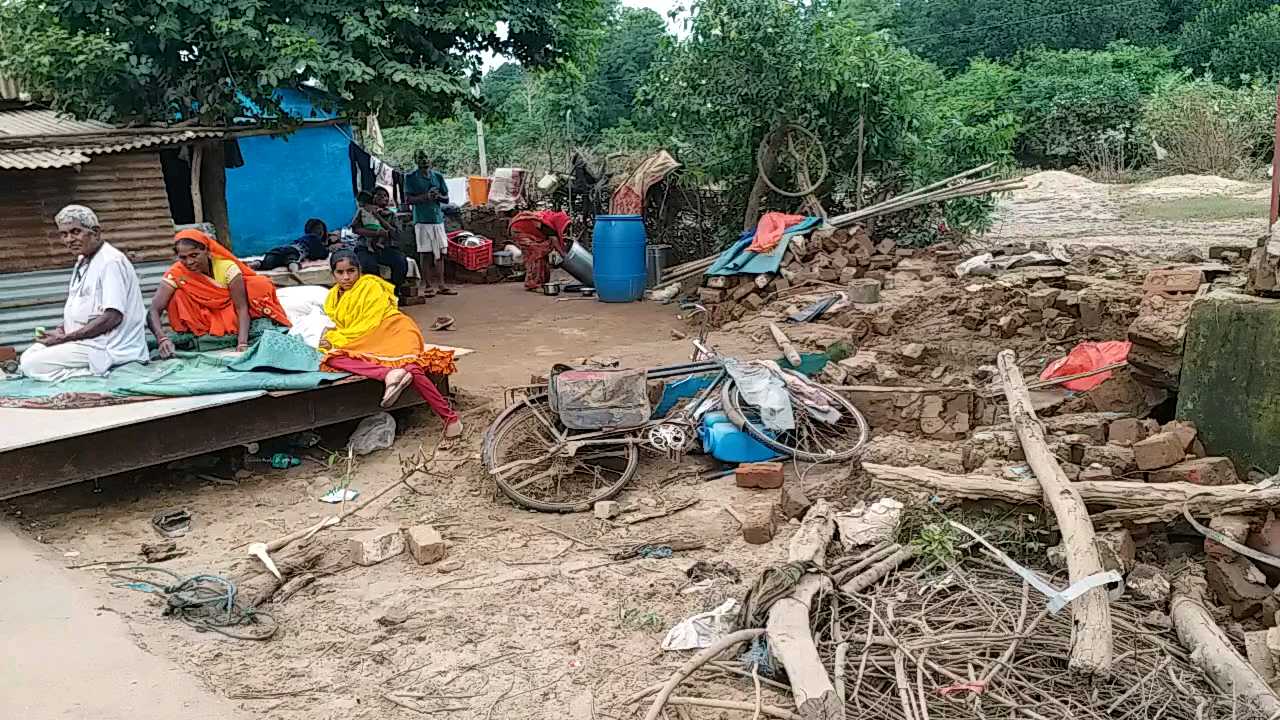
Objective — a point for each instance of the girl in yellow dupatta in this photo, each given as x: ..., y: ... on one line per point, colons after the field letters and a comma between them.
x: 372, y: 338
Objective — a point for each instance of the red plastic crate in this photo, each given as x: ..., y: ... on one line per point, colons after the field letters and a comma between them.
x: 477, y: 258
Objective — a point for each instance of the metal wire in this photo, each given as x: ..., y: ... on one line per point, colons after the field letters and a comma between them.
x: 205, y: 602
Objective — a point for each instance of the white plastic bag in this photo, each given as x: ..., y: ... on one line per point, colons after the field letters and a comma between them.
x: 762, y: 388
x: 376, y: 432
x: 703, y: 629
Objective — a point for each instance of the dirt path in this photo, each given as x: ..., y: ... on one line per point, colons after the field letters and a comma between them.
x: 1159, y: 218
x: 532, y: 625
x: 70, y: 657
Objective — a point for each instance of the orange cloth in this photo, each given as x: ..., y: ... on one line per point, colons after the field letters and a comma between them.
x: 1087, y: 357
x: 202, y: 307
x: 769, y: 230
x: 371, y: 328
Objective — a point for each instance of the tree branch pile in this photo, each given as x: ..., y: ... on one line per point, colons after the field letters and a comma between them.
x: 972, y: 641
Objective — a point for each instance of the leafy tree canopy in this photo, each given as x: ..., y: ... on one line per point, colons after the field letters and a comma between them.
x: 950, y: 32
x: 146, y: 60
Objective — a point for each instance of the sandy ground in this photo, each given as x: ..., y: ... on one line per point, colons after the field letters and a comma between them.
x: 532, y: 625
x: 1159, y: 218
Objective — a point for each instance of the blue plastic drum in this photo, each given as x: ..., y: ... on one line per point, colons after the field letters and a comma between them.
x: 618, y: 248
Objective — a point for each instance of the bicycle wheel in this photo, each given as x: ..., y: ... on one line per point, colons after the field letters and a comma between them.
x: 812, y: 440
x: 520, y: 453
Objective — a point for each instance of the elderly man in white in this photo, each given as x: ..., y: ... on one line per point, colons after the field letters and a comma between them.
x: 104, y: 320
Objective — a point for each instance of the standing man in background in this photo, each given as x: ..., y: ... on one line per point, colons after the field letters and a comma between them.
x: 426, y: 191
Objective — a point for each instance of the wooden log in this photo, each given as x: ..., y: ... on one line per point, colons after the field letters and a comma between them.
x: 784, y: 344
x: 1128, y: 501
x: 790, y: 637
x: 1092, y: 642
x: 791, y: 641
x: 1210, y: 648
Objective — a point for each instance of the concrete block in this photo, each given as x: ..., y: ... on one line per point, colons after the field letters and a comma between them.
x: 1158, y: 451
x: 426, y: 545
x: 1230, y: 381
x: 607, y: 509
x: 764, y: 475
x: 373, y: 546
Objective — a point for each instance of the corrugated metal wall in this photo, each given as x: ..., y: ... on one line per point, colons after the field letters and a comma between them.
x: 126, y: 190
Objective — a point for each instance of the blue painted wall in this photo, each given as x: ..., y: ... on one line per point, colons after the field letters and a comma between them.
x: 286, y: 180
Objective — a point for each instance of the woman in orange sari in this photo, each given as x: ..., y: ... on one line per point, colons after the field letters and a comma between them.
x: 372, y: 338
x: 209, y: 292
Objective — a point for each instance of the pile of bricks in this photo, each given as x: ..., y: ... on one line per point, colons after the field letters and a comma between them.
x: 840, y: 258
x: 1159, y: 331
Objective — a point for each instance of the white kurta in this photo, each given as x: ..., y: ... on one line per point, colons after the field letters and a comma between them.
x: 105, y: 281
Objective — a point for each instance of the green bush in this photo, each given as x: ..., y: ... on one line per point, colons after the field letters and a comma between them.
x: 1072, y: 101
x: 1206, y: 127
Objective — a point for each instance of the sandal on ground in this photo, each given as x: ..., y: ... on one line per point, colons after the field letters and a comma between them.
x: 446, y: 291
x: 453, y: 429
x: 444, y: 322
x: 397, y: 380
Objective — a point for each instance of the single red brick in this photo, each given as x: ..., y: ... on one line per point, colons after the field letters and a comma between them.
x: 759, y: 527
x: 764, y: 475
x: 1200, y: 471
x: 1126, y: 431
x: 1158, y: 451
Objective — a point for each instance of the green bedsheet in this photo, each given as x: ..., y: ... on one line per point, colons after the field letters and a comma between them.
x: 274, y: 362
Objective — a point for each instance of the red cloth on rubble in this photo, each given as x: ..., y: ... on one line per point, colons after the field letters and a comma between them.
x: 1087, y: 357
x: 537, y: 233
x: 769, y: 230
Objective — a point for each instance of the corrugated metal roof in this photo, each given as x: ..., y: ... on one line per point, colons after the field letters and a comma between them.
x: 41, y: 159
x: 38, y: 121
x: 81, y: 139
x: 34, y: 299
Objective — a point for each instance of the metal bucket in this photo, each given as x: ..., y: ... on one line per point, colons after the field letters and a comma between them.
x: 655, y: 262
x: 579, y: 263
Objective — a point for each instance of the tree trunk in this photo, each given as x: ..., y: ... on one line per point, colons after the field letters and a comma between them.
x: 197, y: 201
x: 1092, y: 643
x: 1135, y: 502
x: 790, y: 636
x: 213, y: 190
x: 758, y: 191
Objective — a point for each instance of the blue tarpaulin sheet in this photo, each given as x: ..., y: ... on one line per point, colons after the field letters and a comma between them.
x: 739, y: 260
